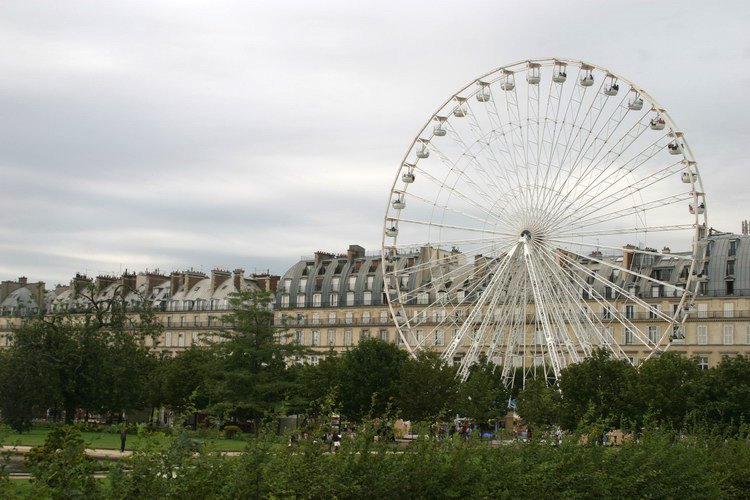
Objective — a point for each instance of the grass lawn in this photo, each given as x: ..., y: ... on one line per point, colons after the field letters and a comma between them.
x: 106, y: 440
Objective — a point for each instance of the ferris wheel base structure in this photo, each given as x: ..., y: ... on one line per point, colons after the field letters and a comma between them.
x: 505, y: 225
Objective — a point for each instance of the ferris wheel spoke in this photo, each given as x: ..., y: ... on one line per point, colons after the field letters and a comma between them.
x: 444, y: 207
x: 606, y: 180
x: 604, y: 164
x: 464, y: 197
x: 620, y: 249
x: 622, y: 231
x: 626, y: 272
x: 558, y: 311
x: 634, y: 210
x: 461, y: 175
x: 479, y: 303
x: 609, y: 128
x: 614, y: 314
x: 599, y: 201
x: 467, y: 229
x: 572, y: 302
x: 459, y: 274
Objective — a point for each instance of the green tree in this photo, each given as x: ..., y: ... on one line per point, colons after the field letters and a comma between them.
x: 428, y: 387
x: 319, y: 384
x: 539, y: 404
x: 249, y: 378
x: 369, y: 378
x: 669, y: 387
x: 483, y: 396
x: 184, y: 379
x: 602, y: 390
x: 727, y: 389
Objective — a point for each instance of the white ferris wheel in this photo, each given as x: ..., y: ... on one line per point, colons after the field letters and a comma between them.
x: 530, y: 220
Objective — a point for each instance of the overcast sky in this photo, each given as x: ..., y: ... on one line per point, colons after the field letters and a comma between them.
x: 177, y: 134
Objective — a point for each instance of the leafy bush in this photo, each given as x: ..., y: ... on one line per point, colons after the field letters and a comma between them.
x: 61, y: 468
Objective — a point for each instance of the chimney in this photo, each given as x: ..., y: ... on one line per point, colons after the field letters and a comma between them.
x: 103, y: 281
x: 22, y: 280
x: 191, y: 278
x: 218, y: 277
x: 174, y: 282
x: 79, y: 284
x: 38, y: 291
x: 129, y: 283
x: 321, y: 256
x: 355, y: 252
x: 665, y: 250
x: 238, y: 279
x: 628, y: 251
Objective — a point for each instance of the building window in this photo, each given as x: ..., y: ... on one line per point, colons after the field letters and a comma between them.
x: 732, y: 248
x: 730, y: 268
x: 703, y: 310
x: 352, y: 283
x: 348, y: 338
x: 438, y: 338
x: 316, y: 318
x: 168, y: 339
x: 728, y: 334
x: 606, y: 313
x: 313, y: 360
x: 653, y: 334
x: 655, y: 291
x: 182, y: 320
x: 302, y: 285
x: 349, y: 298
x: 287, y: 285
x: 730, y: 287
x: 678, y: 332
x: 180, y: 340
x: 169, y: 320
x: 370, y: 280
x: 703, y: 361
x: 334, y: 299
x: 194, y: 340
x: 747, y: 335
x: 301, y: 300
x: 367, y: 298
x: 196, y: 321
x: 364, y: 335
x: 384, y: 316
x: 366, y: 317
x: 653, y: 311
x: 299, y: 337
x: 627, y: 335
x: 331, y: 338
x: 729, y: 310
x: 331, y: 318
x: 423, y: 298
x: 315, y: 341
x: 317, y: 299
x: 629, y: 312
x: 702, y: 335
x: 349, y: 319
x: 383, y: 335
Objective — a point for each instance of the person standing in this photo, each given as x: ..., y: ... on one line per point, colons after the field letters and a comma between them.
x: 336, y: 441
x: 123, y: 437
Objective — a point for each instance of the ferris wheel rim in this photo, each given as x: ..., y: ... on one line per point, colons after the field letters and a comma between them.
x: 462, y: 95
